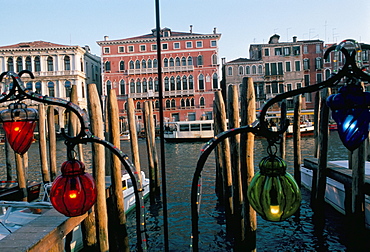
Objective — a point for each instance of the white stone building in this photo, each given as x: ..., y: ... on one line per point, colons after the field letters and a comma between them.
x: 56, y: 68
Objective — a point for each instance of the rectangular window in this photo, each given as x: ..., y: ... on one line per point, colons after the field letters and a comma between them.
x: 154, y: 47
x: 106, y: 50
x: 306, y: 80
x: 199, y: 44
x: 213, y: 43
x: 274, y: 87
x: 267, y: 52
x: 296, y: 50
x: 277, y: 51
x: 287, y: 66
x: 142, y: 48
x: 267, y: 69
x: 195, y: 127
x: 130, y: 48
x: 318, y: 63
x: 281, y: 88
x: 289, y: 87
x: 305, y: 49
x: 280, y: 68
x: 176, y: 45
x: 121, y: 49
x: 164, y: 46
x: 299, y: 85
x: 318, y: 77
x: 306, y: 64
x: 318, y: 48
x: 268, y: 89
x: 298, y: 65
x: 189, y: 44
x: 273, y: 69
x: 286, y: 51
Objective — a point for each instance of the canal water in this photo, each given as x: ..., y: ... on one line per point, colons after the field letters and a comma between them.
x: 295, y: 234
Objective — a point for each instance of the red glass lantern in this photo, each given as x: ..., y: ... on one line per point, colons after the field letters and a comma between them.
x: 73, y: 192
x: 19, y: 123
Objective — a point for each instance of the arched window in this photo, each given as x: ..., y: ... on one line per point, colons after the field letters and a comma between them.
x: 177, y: 61
x: 201, y: 101
x: 184, y: 83
x: 10, y: 64
x: 19, y: 64
x: 214, y: 59
x: 260, y: 69
x: 327, y: 74
x: 166, y: 84
x: 165, y: 62
x: 150, y: 84
x: 254, y: 70
x: 247, y: 70
x: 132, y: 86
x: 68, y: 88
x: 156, y: 85
x: 38, y: 87
x: 241, y: 72
x: 187, y: 102
x: 122, y: 87
x: 178, y: 83
x: 28, y: 63
x: 191, y: 82
x: 157, y: 104
x: 137, y: 64
x: 200, y: 60
x: 201, y: 82
x: 143, y: 63
x: 29, y: 85
x: 215, y: 81
x: 107, y: 66
x: 190, y: 61
x: 109, y: 86
x: 192, y: 102
x: 145, y: 86
x: 121, y: 65
x: 37, y: 64
x: 150, y: 65
x: 138, y: 86
x: 138, y: 105
x: 155, y: 63
x: 183, y: 61
x: 131, y: 63
x: 229, y: 71
x: 50, y: 64
x: 172, y: 62
x: 173, y: 103
x: 51, y: 89
x: 67, y: 63
x: 168, y: 104
x: 172, y: 82
x: 182, y: 103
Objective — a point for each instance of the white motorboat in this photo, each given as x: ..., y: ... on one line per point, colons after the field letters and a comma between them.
x: 335, y: 193
x: 182, y: 131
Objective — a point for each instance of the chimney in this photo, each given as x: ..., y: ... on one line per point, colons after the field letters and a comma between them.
x: 214, y: 30
x: 223, y: 61
x: 106, y: 38
x: 294, y: 39
x: 191, y: 29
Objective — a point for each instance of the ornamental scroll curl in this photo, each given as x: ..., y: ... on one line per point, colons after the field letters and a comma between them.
x: 14, y: 89
x: 351, y: 69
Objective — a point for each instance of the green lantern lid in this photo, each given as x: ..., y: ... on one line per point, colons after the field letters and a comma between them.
x: 272, y: 166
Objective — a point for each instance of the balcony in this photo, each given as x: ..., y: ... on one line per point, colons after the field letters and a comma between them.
x: 164, y: 70
x: 152, y: 94
x: 57, y: 73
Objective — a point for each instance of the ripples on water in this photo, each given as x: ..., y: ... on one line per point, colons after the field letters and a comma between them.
x: 296, y: 234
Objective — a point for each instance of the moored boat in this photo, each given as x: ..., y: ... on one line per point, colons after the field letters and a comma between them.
x: 185, y: 131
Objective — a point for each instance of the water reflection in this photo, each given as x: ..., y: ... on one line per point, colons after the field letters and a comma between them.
x: 296, y: 234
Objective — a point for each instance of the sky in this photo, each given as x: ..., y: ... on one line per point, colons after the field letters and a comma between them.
x: 240, y: 23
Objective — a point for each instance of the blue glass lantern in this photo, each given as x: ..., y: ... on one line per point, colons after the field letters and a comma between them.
x: 350, y: 110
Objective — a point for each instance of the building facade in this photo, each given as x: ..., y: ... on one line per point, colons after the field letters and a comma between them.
x: 278, y: 67
x: 56, y: 69
x: 190, y: 72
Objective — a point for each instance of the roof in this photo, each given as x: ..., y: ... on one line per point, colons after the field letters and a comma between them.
x: 242, y: 60
x: 35, y: 44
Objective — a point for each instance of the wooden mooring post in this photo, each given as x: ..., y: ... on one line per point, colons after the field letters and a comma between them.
x: 248, y: 116
x: 97, y: 129
x: 52, y: 143
x: 42, y: 145
x: 152, y: 152
x: 297, y: 139
x: 118, y: 233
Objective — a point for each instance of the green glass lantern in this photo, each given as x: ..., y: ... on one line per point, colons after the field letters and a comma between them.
x: 273, y: 193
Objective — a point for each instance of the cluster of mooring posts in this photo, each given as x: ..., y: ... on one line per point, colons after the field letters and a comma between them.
x: 104, y: 226
x: 234, y: 152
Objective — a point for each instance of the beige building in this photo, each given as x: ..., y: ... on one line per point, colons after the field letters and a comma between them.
x: 56, y: 69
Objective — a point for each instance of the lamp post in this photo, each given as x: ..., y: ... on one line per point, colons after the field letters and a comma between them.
x: 77, y: 184
x: 272, y: 192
